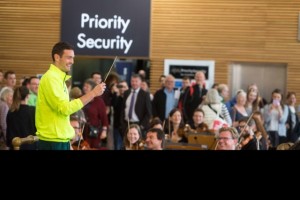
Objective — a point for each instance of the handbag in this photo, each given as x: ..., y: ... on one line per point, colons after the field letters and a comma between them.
x: 94, y: 131
x: 219, y: 121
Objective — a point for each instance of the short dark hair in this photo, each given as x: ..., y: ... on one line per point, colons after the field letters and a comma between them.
x: 199, y: 110
x: 155, y: 121
x: 160, y: 135
x: 136, y: 76
x: 25, y: 82
x: 59, y: 48
x: 32, y: 77
x: 8, y: 73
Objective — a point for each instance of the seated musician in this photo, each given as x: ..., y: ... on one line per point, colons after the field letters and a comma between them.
x: 133, y: 138
x: 198, y: 125
x: 155, y: 139
x: 175, y: 127
x: 252, y: 138
x: 77, y: 142
x: 248, y: 141
x: 227, y: 138
x: 156, y: 123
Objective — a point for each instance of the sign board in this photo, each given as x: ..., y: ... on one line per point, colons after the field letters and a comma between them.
x: 181, y: 68
x: 107, y: 27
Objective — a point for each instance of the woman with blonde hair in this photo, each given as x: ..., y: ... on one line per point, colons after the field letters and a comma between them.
x: 238, y: 111
x: 6, y: 99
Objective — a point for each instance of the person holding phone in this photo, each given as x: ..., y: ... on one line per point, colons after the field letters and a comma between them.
x: 275, y: 116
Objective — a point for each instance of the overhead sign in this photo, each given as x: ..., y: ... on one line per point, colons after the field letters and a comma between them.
x: 107, y: 27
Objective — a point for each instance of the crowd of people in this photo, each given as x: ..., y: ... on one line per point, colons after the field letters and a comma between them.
x: 65, y: 117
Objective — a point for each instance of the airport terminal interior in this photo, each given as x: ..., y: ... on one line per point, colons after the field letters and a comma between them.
x: 149, y: 75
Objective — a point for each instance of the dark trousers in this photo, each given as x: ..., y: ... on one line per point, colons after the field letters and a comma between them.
x: 47, y: 145
x: 274, y: 138
x: 118, y: 139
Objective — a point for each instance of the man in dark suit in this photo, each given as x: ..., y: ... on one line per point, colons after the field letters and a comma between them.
x: 193, y: 96
x: 136, y: 106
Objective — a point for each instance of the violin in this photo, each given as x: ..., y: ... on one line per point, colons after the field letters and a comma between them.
x: 202, y: 128
x: 136, y: 146
x: 83, y: 145
x: 246, y: 139
x: 260, y: 134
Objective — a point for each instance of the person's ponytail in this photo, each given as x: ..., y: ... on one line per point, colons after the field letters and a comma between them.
x: 20, y: 94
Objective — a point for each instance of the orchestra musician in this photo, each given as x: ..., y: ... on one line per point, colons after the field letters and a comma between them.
x: 227, y: 138
x: 133, y: 138
x: 253, y: 136
x: 77, y: 142
x: 156, y: 123
x: 198, y: 125
x: 175, y: 128
x: 155, y: 139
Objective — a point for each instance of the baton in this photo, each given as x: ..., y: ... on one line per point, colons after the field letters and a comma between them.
x: 110, y: 68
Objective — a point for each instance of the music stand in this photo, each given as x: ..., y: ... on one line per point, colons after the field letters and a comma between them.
x: 207, y: 141
x: 182, y: 146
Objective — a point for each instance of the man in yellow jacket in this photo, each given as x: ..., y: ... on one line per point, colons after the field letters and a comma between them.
x: 53, y: 108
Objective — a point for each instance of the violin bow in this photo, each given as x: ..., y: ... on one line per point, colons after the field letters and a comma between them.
x: 110, y: 68
x: 246, y: 125
x: 80, y: 136
x: 163, y: 125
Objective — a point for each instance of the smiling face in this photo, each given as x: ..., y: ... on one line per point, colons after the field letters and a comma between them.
x: 135, y: 82
x: 97, y: 78
x: 252, y: 96
x: 64, y: 62
x: 34, y: 85
x: 200, y: 78
x: 153, y: 142
x: 198, y: 117
x: 133, y: 135
x: 176, y: 117
x: 87, y: 88
x: 292, y: 99
x: 226, y: 141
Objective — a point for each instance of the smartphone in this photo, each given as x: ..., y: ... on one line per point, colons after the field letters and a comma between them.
x: 276, y: 102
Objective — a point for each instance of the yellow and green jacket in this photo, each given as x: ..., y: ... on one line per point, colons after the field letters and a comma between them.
x: 53, y: 107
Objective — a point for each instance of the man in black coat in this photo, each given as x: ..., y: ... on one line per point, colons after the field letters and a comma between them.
x: 194, y: 96
x: 136, y: 106
x: 165, y: 99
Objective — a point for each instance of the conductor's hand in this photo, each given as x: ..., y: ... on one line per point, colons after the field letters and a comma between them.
x: 99, y: 89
